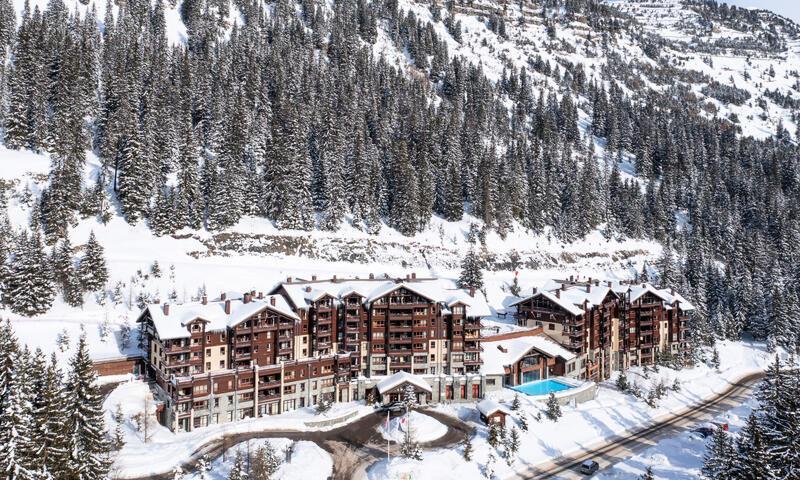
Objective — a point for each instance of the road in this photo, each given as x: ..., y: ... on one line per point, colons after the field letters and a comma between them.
x: 619, y: 448
x: 353, y: 447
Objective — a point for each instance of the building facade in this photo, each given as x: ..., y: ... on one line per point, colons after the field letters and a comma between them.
x: 248, y: 355
x: 608, y: 325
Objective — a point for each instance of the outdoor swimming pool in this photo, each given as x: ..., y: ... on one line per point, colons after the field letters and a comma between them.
x: 542, y: 387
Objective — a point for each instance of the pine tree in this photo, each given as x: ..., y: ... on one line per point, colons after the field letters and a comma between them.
x: 118, y: 439
x: 752, y: 459
x: 471, y: 272
x: 238, y: 471
x: 512, y: 445
x: 84, y: 426
x: 29, y: 289
x: 92, y: 268
x: 16, y: 443
x: 494, y: 434
x: 488, y: 468
x: 47, y: 422
x: 523, y: 421
x: 553, y: 411
x: 720, y: 455
x: 466, y: 444
x: 515, y: 404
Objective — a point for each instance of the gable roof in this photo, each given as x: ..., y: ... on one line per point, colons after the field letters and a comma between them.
x: 495, y: 360
x: 174, y: 324
x: 393, y: 381
x: 488, y: 406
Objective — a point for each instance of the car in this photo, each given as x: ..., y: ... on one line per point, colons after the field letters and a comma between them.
x: 396, y: 408
x: 589, y: 467
x: 704, y: 432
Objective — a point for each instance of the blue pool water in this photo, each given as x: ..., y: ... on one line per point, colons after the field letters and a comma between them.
x: 542, y: 387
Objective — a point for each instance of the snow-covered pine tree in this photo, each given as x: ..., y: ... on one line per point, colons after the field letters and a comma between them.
x: 553, y: 411
x: 203, y: 467
x: 494, y: 435
x: 16, y: 443
x: 719, y: 455
x: 515, y: 404
x: 523, y: 421
x: 238, y: 471
x: 92, y: 268
x: 488, y: 468
x: 28, y: 288
x: 118, y: 439
x: 84, y: 427
x: 466, y: 445
x: 511, y: 445
x: 471, y: 272
x: 48, y: 408
x: 752, y: 458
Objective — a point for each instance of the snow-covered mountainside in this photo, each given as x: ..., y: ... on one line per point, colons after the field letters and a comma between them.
x: 237, y: 143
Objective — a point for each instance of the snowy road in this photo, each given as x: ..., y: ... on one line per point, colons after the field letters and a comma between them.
x: 616, y: 449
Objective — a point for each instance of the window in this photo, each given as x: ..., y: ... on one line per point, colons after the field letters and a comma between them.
x: 208, y: 352
x: 551, y: 326
x: 222, y: 364
x: 208, y: 365
x: 222, y: 350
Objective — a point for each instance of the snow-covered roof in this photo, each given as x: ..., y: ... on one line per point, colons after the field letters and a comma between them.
x: 563, y: 301
x: 302, y: 294
x: 487, y: 406
x: 495, y: 360
x: 174, y: 324
x: 393, y: 381
x: 572, y: 297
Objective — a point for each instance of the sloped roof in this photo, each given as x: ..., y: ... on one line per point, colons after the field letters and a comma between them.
x: 563, y: 301
x: 175, y: 324
x: 399, y: 378
x: 495, y: 360
x: 488, y: 406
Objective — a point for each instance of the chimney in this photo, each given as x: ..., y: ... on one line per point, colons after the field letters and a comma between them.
x: 589, y: 288
x: 571, y: 278
x: 413, y: 275
x: 471, y: 291
x: 313, y: 278
x: 535, y: 290
x: 222, y: 296
x: 590, y: 279
x: 334, y: 279
x: 609, y: 283
x: 166, y: 309
x: 246, y: 298
x: 260, y: 295
x: 227, y: 307
x: 672, y: 291
x: 502, y: 349
x: 252, y: 293
x: 563, y: 286
x: 597, y: 283
x: 308, y: 289
x: 204, y: 300
x: 558, y: 293
x: 288, y: 279
x: 407, y: 277
x: 372, y: 276
x: 644, y: 285
x: 272, y: 300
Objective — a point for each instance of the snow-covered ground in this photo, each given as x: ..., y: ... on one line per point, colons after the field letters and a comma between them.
x: 679, y: 457
x: 610, y: 414
x: 308, y: 461
x: 423, y: 428
x: 165, y: 449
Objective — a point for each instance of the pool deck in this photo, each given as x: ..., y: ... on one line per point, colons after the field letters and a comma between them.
x: 578, y: 391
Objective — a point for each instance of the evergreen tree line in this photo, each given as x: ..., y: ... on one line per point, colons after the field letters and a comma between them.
x: 30, y: 277
x: 768, y: 447
x: 51, y: 422
x: 289, y: 116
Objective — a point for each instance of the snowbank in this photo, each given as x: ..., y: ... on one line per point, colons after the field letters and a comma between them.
x: 165, y: 449
x: 423, y: 428
x: 308, y: 461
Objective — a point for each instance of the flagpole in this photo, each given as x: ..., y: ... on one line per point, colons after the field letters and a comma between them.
x: 387, y: 439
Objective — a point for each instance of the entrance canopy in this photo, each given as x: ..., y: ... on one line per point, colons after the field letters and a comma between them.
x: 399, y: 380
